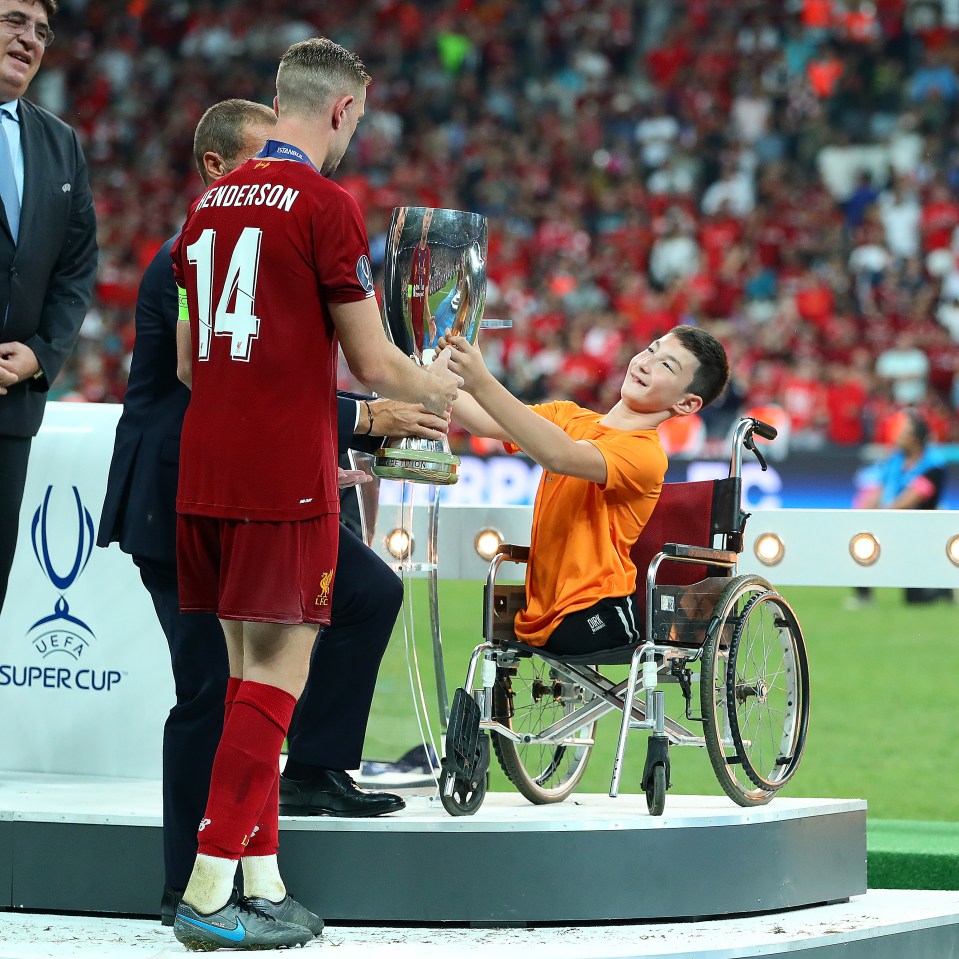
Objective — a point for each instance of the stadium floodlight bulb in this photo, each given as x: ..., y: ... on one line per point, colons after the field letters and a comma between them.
x: 399, y: 543
x: 769, y: 549
x: 487, y: 542
x: 864, y: 549
x: 952, y: 550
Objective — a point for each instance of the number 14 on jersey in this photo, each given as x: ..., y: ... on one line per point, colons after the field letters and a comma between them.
x: 239, y: 288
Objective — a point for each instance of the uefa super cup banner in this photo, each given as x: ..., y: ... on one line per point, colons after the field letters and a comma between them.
x: 85, y: 679
x: 434, y: 285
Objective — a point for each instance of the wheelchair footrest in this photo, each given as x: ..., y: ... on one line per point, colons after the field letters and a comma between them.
x: 462, y: 736
x: 657, y: 753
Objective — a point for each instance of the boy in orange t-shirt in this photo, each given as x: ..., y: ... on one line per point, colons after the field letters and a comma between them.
x: 602, y: 477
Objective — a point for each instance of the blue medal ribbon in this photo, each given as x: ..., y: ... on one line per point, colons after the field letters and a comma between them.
x: 278, y: 150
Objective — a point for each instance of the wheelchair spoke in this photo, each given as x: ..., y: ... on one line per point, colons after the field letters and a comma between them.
x: 767, y: 720
x: 533, y: 700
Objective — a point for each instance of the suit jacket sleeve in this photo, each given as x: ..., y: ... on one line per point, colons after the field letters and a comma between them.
x: 346, y: 438
x: 70, y: 287
x: 139, y: 507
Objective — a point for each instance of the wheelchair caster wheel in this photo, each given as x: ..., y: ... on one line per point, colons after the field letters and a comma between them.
x: 656, y: 791
x: 467, y: 795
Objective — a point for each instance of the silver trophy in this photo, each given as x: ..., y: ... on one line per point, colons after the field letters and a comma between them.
x: 434, y: 285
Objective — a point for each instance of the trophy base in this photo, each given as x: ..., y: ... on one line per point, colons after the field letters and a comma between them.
x: 416, y: 466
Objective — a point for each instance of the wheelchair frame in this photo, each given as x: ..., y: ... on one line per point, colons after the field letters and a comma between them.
x: 750, y: 648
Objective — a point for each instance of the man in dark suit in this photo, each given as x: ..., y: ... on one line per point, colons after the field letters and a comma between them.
x: 48, y: 252
x: 327, y: 734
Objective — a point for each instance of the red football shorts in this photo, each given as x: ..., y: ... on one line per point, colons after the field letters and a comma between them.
x: 257, y: 572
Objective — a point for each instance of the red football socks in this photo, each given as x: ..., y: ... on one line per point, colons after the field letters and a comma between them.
x: 245, y: 773
x: 265, y: 840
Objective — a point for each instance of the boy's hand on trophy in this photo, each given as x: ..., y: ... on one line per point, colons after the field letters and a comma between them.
x: 447, y: 384
x: 465, y: 359
x: 392, y: 418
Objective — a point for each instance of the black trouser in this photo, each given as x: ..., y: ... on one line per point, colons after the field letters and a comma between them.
x: 193, y: 727
x: 14, y: 453
x: 330, y: 720
x: 329, y: 724
x: 611, y: 622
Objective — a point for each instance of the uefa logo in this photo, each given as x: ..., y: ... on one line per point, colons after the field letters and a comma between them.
x: 63, y: 540
x: 364, y: 273
x: 62, y: 632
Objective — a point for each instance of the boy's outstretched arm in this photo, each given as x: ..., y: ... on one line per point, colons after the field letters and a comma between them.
x: 475, y: 420
x: 545, y: 442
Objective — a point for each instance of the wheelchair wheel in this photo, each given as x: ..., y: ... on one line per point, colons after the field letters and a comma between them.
x: 754, y: 691
x: 467, y: 795
x: 656, y: 791
x: 529, y: 697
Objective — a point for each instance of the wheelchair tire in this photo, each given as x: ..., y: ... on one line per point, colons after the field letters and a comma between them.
x: 754, y: 691
x: 528, y: 701
x: 656, y: 792
x: 467, y: 795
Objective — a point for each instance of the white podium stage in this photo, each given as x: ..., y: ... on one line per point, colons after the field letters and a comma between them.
x: 705, y: 881
x: 588, y: 859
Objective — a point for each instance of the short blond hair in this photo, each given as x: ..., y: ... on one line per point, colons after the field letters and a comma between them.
x: 222, y: 129
x: 314, y: 72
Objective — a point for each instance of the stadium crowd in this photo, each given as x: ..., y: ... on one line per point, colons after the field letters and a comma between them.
x: 784, y: 173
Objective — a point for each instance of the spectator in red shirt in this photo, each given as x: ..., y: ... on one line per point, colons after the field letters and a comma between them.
x: 803, y: 397
x: 718, y: 232
x: 845, y: 401
x: 940, y: 213
x: 814, y: 300
x: 667, y: 60
x: 817, y: 16
x: 823, y: 73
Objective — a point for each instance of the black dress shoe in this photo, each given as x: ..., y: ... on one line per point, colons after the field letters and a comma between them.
x: 169, y: 902
x: 331, y: 792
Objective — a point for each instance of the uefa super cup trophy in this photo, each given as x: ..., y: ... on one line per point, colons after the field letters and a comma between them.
x: 434, y: 285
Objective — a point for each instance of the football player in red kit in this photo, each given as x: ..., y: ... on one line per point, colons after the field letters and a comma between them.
x: 274, y: 269
x: 419, y: 292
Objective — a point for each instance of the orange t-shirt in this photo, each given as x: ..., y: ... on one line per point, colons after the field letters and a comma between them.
x: 583, y: 532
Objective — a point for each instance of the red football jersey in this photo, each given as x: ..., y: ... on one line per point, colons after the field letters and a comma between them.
x: 262, y: 253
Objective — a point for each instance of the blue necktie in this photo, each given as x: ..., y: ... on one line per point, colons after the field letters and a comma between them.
x: 8, y: 182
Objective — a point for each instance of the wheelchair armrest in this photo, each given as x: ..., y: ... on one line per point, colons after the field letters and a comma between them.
x: 501, y: 602
x: 703, y: 553
x: 515, y: 554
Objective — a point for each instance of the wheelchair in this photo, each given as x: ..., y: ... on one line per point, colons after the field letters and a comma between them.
x: 734, y: 636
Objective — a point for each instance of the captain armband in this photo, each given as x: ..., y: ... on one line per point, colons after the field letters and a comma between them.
x: 183, y: 310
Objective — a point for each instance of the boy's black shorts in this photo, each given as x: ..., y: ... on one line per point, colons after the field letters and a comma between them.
x: 611, y: 622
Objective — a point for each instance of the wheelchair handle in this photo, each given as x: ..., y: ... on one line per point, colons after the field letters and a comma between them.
x: 743, y: 439
x: 764, y: 430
